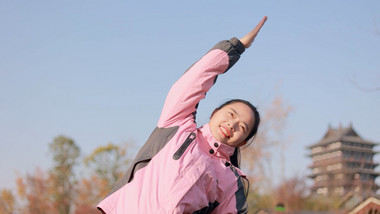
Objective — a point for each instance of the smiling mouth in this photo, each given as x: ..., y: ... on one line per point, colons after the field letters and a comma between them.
x: 225, y: 131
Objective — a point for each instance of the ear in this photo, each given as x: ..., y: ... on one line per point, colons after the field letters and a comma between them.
x: 215, y: 110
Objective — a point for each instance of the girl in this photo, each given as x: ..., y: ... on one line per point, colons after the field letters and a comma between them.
x: 185, y: 169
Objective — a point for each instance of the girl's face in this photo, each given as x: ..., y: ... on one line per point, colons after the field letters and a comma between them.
x: 232, y: 124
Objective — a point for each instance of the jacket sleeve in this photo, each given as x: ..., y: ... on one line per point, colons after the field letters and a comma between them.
x: 184, y: 96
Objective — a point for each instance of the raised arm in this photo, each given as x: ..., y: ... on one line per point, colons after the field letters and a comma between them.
x: 181, y: 103
x: 183, y: 98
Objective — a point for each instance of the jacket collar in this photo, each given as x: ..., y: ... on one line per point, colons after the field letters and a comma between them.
x: 213, y: 146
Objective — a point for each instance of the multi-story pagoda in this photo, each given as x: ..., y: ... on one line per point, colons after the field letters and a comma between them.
x: 342, y: 163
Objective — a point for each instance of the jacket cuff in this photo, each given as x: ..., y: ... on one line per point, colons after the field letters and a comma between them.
x: 238, y: 45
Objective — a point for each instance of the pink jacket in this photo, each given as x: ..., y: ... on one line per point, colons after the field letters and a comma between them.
x: 182, y: 168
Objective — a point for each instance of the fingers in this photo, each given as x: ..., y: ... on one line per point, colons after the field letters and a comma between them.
x: 250, y: 37
x: 259, y: 26
x: 261, y: 23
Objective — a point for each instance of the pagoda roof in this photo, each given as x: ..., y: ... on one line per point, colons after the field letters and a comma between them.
x: 344, y: 148
x: 342, y: 134
x: 346, y: 170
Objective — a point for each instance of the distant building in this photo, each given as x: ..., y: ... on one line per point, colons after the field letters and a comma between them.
x: 343, y: 163
x: 370, y: 205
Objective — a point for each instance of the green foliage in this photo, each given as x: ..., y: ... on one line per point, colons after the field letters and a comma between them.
x: 293, y: 193
x: 108, y: 162
x: 257, y: 202
x: 59, y: 192
x: 65, y: 154
x: 321, y: 203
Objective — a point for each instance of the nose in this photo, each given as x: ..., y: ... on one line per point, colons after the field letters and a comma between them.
x: 231, y: 126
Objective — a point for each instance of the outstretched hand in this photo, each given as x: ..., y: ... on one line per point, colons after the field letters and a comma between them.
x: 250, y: 37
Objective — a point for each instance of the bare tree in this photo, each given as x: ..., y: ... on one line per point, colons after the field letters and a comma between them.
x: 376, y: 79
x: 258, y: 156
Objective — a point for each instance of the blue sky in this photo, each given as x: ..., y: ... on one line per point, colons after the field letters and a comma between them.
x: 98, y: 71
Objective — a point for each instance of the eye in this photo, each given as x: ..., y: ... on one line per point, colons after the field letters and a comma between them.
x: 243, y: 128
x: 232, y: 114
